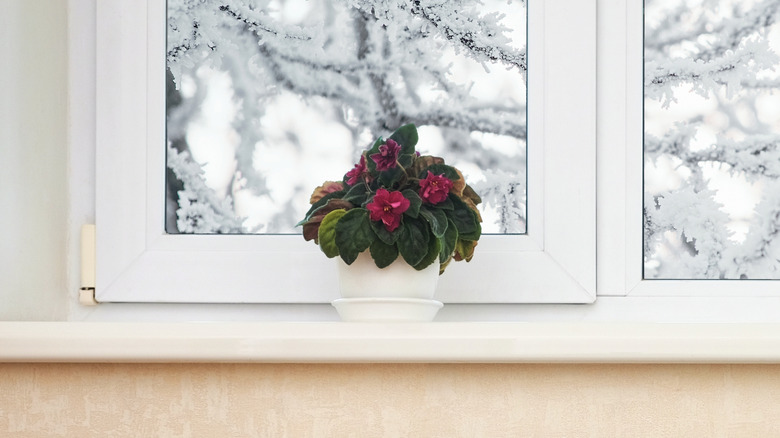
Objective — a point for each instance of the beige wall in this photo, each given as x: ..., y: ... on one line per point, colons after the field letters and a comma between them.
x: 221, y: 400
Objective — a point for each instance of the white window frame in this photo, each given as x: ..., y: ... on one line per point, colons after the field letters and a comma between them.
x: 618, y: 327
x: 138, y: 262
x: 621, y: 158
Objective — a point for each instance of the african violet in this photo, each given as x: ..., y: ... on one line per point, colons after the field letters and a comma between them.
x: 395, y: 201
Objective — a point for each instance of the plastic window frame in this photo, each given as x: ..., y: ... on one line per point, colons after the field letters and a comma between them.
x: 138, y: 262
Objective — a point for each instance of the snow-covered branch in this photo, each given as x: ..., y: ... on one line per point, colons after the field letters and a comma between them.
x: 200, y: 210
x: 369, y: 65
x: 722, y: 51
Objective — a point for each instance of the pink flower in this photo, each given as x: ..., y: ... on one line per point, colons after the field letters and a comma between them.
x: 435, y: 188
x: 387, y: 156
x: 357, y: 172
x: 388, y: 208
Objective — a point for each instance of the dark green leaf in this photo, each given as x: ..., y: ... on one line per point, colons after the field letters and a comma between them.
x: 434, y: 248
x: 324, y: 200
x: 312, y: 225
x: 390, y: 177
x: 385, y: 236
x: 383, y: 254
x: 405, y: 160
x: 436, y: 218
x: 446, y: 204
x: 413, y: 241
x: 414, y: 202
x: 439, y: 169
x: 353, y: 234
x: 463, y: 217
x: 474, y: 235
x: 406, y: 136
x: 357, y: 194
x: 421, y: 163
x: 448, y: 242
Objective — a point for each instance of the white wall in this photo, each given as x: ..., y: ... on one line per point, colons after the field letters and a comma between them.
x: 33, y: 160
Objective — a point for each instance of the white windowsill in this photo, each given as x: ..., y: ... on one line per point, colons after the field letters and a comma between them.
x: 351, y: 342
x: 614, y: 329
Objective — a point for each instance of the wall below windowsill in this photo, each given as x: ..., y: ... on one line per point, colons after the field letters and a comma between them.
x: 388, y: 342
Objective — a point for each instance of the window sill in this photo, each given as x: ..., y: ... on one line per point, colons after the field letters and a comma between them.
x: 351, y: 342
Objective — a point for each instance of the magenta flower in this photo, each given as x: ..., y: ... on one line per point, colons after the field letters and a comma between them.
x: 357, y: 172
x: 435, y: 188
x: 388, y: 208
x: 387, y: 157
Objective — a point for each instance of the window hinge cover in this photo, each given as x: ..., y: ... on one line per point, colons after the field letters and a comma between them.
x: 87, y: 291
x: 87, y: 297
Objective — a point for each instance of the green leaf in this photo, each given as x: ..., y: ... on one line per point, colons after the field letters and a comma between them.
x: 406, y: 136
x: 383, y: 254
x: 448, y: 242
x: 464, y: 250
x: 446, y: 204
x: 423, y: 162
x: 414, y: 202
x: 312, y: 225
x: 436, y: 218
x: 463, y: 217
x: 439, y: 169
x: 353, y: 234
x: 413, y: 241
x: 357, y: 194
x: 390, y: 177
x: 405, y: 160
x: 327, y: 233
x: 385, y: 236
x: 474, y: 235
x: 434, y: 248
x: 324, y: 200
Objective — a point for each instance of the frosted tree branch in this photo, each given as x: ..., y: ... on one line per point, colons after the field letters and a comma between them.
x: 719, y: 50
x: 373, y: 64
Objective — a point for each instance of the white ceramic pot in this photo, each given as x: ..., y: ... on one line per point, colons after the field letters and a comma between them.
x: 395, y: 293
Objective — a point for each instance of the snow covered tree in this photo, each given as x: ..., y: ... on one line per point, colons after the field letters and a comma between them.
x: 712, y: 139
x: 272, y: 97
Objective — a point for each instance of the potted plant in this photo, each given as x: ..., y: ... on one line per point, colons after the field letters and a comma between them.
x: 396, y: 220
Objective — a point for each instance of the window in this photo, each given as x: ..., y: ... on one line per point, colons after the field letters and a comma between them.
x: 631, y: 306
x: 621, y: 160
x: 264, y: 104
x: 711, y: 141
x: 139, y: 262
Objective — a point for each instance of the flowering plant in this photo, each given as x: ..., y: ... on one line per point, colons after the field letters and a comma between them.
x: 395, y: 201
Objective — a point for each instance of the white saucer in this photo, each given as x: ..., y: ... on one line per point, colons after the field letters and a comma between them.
x: 386, y: 309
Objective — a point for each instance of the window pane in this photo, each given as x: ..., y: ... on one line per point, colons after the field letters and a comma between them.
x: 711, y: 137
x: 267, y: 100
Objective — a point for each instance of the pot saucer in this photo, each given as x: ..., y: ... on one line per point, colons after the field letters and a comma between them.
x: 386, y: 309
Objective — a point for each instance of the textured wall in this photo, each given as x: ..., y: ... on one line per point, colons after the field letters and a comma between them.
x: 388, y: 400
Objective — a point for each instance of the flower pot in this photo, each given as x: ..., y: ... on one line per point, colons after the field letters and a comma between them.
x: 396, y: 293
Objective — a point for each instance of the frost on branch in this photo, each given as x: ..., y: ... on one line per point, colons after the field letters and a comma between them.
x: 311, y: 83
x: 200, y: 211
x: 712, y: 139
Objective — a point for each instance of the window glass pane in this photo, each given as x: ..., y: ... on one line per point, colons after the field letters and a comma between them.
x: 266, y: 100
x: 711, y: 137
